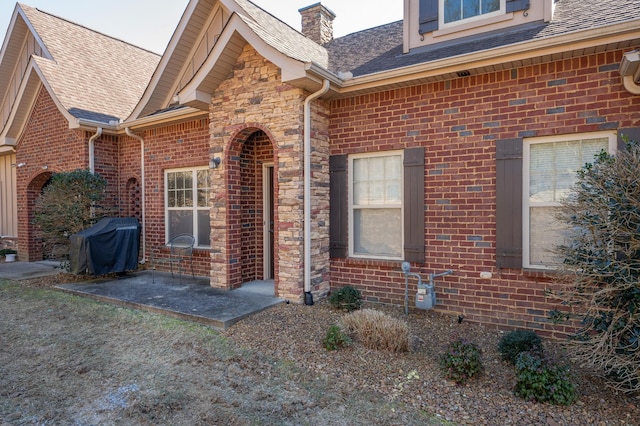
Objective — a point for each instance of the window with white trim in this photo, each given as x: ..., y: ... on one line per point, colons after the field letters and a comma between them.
x: 457, y: 11
x: 550, y: 170
x: 375, y: 205
x: 187, y: 204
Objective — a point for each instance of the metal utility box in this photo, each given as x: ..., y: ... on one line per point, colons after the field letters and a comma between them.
x: 425, y: 297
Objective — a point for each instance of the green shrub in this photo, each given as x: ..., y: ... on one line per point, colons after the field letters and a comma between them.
x: 377, y: 330
x: 335, y: 338
x: 7, y: 251
x: 69, y: 203
x: 347, y: 298
x: 599, y: 275
x: 541, y: 379
x: 517, y: 341
x: 461, y: 361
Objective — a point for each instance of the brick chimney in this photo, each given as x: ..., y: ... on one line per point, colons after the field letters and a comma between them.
x: 317, y: 23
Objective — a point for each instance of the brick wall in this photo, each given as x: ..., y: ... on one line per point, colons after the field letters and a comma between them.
x: 47, y: 145
x: 458, y: 122
x: 172, y: 146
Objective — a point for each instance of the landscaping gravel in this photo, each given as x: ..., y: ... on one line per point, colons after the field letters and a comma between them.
x: 295, y: 333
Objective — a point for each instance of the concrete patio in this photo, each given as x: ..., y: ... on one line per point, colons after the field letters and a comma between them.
x: 179, y: 297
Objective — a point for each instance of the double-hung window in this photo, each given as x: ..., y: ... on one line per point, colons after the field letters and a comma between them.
x: 550, y: 168
x: 187, y: 204
x: 455, y: 11
x: 376, y: 208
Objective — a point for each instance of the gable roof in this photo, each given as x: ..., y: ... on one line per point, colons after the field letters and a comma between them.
x: 91, y: 77
x: 244, y: 23
x: 94, y: 76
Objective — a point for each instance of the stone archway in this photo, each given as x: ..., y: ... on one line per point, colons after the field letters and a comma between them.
x: 250, y: 150
x: 33, y: 241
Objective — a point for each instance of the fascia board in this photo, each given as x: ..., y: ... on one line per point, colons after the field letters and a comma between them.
x: 5, y: 45
x: 512, y: 53
x: 161, y: 118
x: 30, y: 71
x: 73, y: 121
x: 164, y: 61
x: 291, y: 69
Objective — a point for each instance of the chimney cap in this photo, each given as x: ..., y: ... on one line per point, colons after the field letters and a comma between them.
x: 331, y: 12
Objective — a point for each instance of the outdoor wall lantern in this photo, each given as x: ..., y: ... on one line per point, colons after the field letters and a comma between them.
x: 214, y: 162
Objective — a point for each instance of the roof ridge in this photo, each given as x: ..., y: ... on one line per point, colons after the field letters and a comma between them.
x: 88, y: 29
x: 376, y: 28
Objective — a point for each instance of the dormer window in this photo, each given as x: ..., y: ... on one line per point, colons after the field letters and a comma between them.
x: 438, y: 14
x: 455, y: 11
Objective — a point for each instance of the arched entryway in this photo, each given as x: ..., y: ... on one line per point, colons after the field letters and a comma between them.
x: 251, y: 208
x: 34, y: 243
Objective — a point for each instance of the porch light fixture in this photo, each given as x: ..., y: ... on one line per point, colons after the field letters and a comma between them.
x: 630, y: 64
x: 21, y: 164
x: 630, y: 71
x: 214, y: 162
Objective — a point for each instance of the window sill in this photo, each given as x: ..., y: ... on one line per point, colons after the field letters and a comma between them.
x: 202, y: 249
x: 385, y: 263
x: 456, y: 28
x: 539, y: 273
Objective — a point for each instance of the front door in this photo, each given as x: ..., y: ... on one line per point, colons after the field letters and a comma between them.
x: 268, y: 220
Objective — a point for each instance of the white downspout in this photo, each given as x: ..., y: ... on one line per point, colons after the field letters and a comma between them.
x: 308, y: 299
x: 92, y: 154
x: 142, y: 190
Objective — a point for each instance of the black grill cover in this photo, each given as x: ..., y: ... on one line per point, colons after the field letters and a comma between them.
x: 111, y: 245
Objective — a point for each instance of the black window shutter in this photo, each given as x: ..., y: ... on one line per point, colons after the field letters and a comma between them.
x: 428, y: 16
x: 338, y: 206
x: 515, y: 5
x: 509, y: 203
x: 629, y: 134
x: 414, y: 218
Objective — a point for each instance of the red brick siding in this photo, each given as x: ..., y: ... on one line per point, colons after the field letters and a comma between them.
x: 47, y: 142
x: 458, y: 123
x: 171, y: 147
x: 256, y: 151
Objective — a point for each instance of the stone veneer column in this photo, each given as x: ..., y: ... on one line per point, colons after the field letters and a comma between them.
x: 252, y: 99
x: 317, y: 23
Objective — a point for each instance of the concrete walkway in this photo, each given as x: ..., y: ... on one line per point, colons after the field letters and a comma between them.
x: 184, y: 298
x: 26, y: 270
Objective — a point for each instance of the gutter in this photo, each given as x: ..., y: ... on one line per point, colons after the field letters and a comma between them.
x: 308, y: 297
x: 128, y: 131
x: 525, y: 50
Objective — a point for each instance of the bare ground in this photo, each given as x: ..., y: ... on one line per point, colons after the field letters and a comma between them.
x: 69, y: 360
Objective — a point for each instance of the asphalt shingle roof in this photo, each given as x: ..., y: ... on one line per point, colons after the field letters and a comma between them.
x: 380, y: 49
x: 94, y: 76
x: 281, y: 36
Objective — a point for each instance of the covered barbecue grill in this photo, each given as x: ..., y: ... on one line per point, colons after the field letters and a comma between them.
x: 111, y: 245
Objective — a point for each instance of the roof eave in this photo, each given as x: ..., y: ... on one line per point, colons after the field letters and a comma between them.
x: 512, y: 54
x: 155, y: 120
